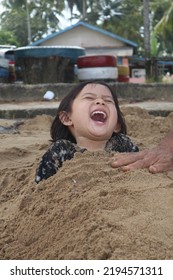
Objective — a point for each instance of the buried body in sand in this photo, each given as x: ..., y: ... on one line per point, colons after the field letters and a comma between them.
x: 87, y: 210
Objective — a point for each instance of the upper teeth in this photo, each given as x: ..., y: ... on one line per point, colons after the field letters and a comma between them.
x: 99, y: 112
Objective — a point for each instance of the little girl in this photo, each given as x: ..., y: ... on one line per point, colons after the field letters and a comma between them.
x: 88, y: 118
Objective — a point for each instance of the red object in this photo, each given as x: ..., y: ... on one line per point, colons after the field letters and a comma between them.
x: 11, y: 62
x: 12, y: 74
x: 123, y: 79
x: 96, y: 61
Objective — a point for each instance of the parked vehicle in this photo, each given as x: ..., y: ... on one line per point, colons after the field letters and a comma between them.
x: 7, y: 65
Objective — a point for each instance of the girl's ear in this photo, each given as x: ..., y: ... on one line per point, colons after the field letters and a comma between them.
x: 65, y: 118
x: 117, y: 128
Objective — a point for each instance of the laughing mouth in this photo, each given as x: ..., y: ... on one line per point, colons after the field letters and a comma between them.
x: 99, y: 116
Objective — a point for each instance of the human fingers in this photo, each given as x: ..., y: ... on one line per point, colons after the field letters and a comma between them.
x: 159, y: 167
x: 138, y: 164
x: 126, y: 159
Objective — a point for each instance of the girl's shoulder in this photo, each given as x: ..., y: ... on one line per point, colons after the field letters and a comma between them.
x: 64, y: 149
x: 62, y: 146
x: 120, y: 142
x: 53, y: 159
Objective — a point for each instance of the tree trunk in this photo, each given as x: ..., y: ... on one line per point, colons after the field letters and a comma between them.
x: 146, y: 19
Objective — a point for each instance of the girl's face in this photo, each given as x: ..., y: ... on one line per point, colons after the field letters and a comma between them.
x: 93, y: 115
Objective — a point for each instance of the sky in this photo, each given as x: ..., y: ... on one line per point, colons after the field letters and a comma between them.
x: 1, y: 8
x: 64, y: 21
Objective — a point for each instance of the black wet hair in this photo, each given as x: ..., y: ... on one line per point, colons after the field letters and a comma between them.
x: 60, y: 131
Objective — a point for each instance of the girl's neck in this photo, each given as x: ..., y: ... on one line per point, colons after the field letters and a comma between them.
x: 91, y: 145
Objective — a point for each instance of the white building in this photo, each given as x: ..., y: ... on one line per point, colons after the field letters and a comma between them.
x: 95, y: 40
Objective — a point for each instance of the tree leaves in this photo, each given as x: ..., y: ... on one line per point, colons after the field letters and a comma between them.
x: 43, y: 16
x: 122, y: 17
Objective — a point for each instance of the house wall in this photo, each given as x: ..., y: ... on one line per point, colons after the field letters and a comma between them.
x: 94, y: 42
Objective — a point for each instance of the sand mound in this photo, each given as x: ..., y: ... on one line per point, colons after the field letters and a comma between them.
x: 87, y: 210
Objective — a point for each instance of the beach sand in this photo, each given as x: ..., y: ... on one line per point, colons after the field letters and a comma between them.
x: 88, y: 210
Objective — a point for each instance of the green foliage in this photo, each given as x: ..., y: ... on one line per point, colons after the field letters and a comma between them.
x: 43, y: 17
x: 7, y: 38
x: 127, y: 21
x: 122, y: 17
x: 163, y: 25
x: 154, y: 45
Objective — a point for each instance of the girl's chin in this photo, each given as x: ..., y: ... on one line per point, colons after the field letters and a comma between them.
x: 99, y: 130
x: 99, y: 133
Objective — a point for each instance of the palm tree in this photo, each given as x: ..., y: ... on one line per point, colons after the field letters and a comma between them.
x: 81, y: 6
x: 92, y: 10
x: 163, y: 25
x: 43, y: 18
x: 146, y: 19
x: 28, y: 23
x: 166, y: 20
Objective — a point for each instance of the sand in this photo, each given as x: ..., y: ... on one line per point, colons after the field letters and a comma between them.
x: 87, y: 210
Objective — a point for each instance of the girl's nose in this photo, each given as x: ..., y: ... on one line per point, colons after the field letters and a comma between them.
x: 100, y: 101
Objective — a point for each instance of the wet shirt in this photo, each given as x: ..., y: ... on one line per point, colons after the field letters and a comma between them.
x: 63, y: 150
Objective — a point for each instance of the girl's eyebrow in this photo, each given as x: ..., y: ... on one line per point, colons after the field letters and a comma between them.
x: 89, y: 93
x: 95, y: 95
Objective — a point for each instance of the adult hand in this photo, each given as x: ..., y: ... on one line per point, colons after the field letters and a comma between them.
x: 157, y: 160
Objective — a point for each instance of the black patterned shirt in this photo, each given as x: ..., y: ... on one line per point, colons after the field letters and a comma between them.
x: 63, y: 150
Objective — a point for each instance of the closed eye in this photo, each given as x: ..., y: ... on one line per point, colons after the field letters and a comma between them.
x: 89, y: 97
x: 109, y: 101
x: 93, y: 97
